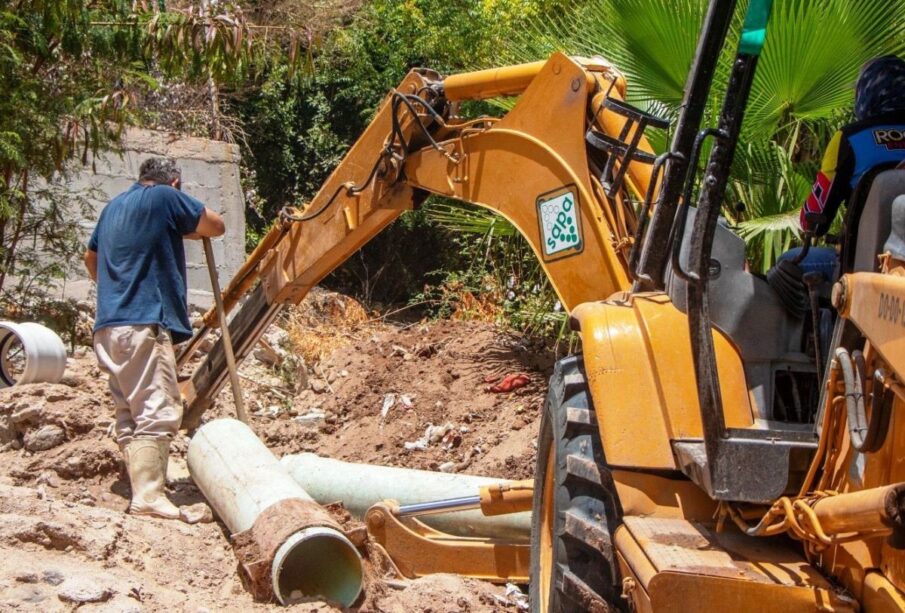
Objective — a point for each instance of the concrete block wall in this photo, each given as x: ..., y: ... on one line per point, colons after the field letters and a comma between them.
x: 210, y: 173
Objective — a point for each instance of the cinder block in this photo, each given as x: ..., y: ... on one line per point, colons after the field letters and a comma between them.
x: 192, y: 148
x: 209, y: 196
x: 146, y: 142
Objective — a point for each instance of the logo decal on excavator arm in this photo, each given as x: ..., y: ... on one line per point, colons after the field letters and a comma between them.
x: 560, y: 223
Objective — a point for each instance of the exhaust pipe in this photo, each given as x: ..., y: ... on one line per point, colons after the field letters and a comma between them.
x: 30, y: 353
x: 360, y: 486
x: 288, y: 546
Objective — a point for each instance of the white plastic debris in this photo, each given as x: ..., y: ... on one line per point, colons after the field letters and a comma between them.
x: 448, y: 467
x: 432, y: 434
x: 388, y: 401
x: 270, y: 411
x: 419, y: 445
x: 313, y: 417
x: 435, y: 434
x: 517, y: 596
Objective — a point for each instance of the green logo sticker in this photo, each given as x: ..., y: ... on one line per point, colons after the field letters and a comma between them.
x: 559, y: 222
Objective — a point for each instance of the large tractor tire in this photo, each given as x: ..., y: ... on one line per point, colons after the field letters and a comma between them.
x: 573, y: 565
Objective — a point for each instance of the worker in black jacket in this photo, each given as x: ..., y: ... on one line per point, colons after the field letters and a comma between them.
x: 876, y: 137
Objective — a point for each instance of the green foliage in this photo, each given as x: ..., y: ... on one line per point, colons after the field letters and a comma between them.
x: 221, y: 44
x: 501, y: 266
x: 70, y: 70
x: 803, y: 88
x: 812, y: 57
x: 466, y: 219
x: 772, y: 187
x: 55, y: 70
x: 298, y: 129
x: 651, y: 42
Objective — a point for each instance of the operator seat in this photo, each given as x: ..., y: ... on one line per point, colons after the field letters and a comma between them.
x: 868, y: 219
x: 745, y: 308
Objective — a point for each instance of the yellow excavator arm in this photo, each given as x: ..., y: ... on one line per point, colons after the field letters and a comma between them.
x: 567, y: 166
x: 695, y: 418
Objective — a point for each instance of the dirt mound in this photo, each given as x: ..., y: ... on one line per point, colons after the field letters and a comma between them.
x: 419, y: 397
x: 415, y: 396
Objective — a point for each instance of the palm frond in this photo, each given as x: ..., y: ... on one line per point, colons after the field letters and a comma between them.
x: 812, y: 56
x: 786, y: 221
x: 772, y: 235
x: 771, y: 187
x: 802, y: 91
x: 652, y: 43
x: 467, y: 219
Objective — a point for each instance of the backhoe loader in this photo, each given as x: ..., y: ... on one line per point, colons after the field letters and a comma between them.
x: 710, y: 449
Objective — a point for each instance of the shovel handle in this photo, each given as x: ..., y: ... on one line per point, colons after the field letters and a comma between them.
x: 224, y: 328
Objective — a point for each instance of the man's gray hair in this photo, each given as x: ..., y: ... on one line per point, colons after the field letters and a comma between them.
x: 159, y: 170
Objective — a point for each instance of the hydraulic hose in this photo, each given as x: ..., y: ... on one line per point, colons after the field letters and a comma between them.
x: 854, y: 399
x: 867, y: 436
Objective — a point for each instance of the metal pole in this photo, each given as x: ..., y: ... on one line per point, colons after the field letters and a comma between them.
x: 655, y: 250
x: 224, y: 328
x: 449, y: 505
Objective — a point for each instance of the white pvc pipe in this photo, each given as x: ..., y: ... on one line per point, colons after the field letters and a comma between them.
x: 43, y: 353
x: 359, y: 486
x: 241, y: 478
x: 317, y: 561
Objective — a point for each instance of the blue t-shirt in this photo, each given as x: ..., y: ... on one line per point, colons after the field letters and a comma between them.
x: 141, y: 258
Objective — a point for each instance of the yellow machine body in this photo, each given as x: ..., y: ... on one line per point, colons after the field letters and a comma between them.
x: 677, y: 548
x: 643, y: 339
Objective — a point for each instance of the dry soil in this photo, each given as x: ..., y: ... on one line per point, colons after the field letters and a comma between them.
x: 413, y: 395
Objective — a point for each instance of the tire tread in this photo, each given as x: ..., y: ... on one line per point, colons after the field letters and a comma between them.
x: 586, y: 577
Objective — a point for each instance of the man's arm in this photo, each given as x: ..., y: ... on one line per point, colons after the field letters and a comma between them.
x: 209, y: 225
x: 91, y: 264
x: 831, y: 187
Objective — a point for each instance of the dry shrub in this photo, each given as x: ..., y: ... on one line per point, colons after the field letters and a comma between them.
x: 324, y: 322
x: 483, y: 307
x: 468, y: 305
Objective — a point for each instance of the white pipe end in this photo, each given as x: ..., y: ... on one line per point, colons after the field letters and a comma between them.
x: 30, y: 353
x: 317, y: 562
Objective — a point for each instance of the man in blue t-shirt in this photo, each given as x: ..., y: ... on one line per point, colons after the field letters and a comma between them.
x: 137, y: 257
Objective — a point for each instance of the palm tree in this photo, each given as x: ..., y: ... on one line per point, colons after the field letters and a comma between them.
x: 802, y: 92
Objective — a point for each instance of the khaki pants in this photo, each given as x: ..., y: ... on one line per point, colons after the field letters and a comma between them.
x: 142, y: 369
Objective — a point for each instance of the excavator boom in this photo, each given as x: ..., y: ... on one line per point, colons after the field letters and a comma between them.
x: 570, y: 185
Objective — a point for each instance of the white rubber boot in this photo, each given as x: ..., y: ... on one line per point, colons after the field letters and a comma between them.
x: 123, y: 450
x: 147, y: 462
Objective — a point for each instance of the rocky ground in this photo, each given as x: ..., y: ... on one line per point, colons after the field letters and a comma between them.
x: 331, y: 380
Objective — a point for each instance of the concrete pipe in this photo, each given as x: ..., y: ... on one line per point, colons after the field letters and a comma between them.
x: 30, y: 353
x: 359, y: 486
x: 288, y: 546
